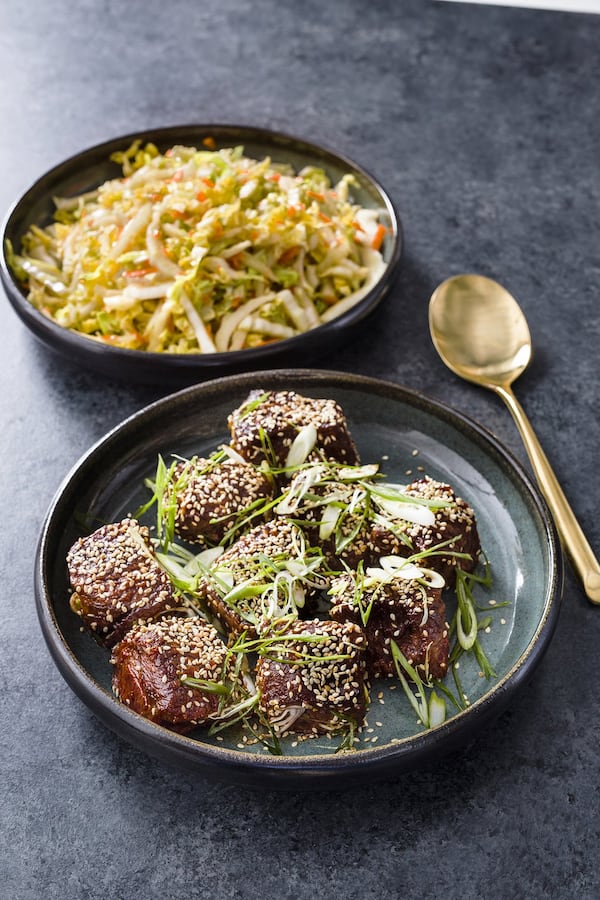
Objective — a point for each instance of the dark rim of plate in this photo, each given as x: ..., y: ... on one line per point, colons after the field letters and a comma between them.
x: 312, y: 771
x: 35, y: 206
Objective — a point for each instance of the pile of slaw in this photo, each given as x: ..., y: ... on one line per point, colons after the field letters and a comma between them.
x: 202, y: 251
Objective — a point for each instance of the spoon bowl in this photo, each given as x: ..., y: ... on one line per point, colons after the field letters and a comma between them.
x: 479, y: 330
x: 481, y: 334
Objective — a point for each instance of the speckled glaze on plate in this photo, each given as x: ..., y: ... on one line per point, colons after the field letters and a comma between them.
x: 409, y: 431
x: 93, y: 166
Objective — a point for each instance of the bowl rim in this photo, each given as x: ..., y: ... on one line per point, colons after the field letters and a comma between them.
x: 316, y: 770
x: 82, y: 346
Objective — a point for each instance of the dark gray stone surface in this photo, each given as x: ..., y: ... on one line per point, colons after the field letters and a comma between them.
x: 484, y: 125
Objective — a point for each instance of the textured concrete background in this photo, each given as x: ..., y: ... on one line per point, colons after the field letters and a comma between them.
x: 483, y: 123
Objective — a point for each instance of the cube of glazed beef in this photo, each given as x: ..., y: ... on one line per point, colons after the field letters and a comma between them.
x: 400, y: 610
x: 117, y: 581
x: 350, y: 538
x: 267, y: 423
x: 151, y: 661
x: 210, y: 495
x: 455, y: 522
x: 313, y: 682
x: 253, y: 564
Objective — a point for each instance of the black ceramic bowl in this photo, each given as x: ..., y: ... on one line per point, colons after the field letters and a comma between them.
x: 408, y: 431
x: 93, y: 166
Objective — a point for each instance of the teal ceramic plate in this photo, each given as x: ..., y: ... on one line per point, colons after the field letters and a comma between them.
x: 414, y: 435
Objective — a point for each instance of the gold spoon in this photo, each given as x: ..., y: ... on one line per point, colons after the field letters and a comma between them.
x: 481, y: 334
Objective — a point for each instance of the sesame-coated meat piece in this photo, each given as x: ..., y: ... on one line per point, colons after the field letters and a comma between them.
x: 455, y: 523
x: 153, y: 658
x: 313, y: 681
x: 210, y: 495
x: 401, y: 610
x: 117, y: 581
x: 266, y: 424
x: 260, y: 577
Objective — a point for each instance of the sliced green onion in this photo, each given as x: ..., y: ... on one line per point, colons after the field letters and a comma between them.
x: 466, y: 617
x: 331, y: 514
x: 437, y: 709
x: 409, y: 512
x: 302, y: 445
x: 208, y: 687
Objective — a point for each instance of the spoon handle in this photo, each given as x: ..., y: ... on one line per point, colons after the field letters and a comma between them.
x: 573, y: 539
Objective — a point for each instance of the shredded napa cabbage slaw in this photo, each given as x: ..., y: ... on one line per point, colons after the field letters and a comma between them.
x: 202, y: 251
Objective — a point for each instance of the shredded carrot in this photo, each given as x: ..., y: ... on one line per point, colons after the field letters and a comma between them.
x: 315, y: 195
x: 323, y: 217
x: 201, y: 196
x: 378, y: 237
x: 208, y: 182
x: 288, y: 255
x: 121, y: 339
x: 140, y: 273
